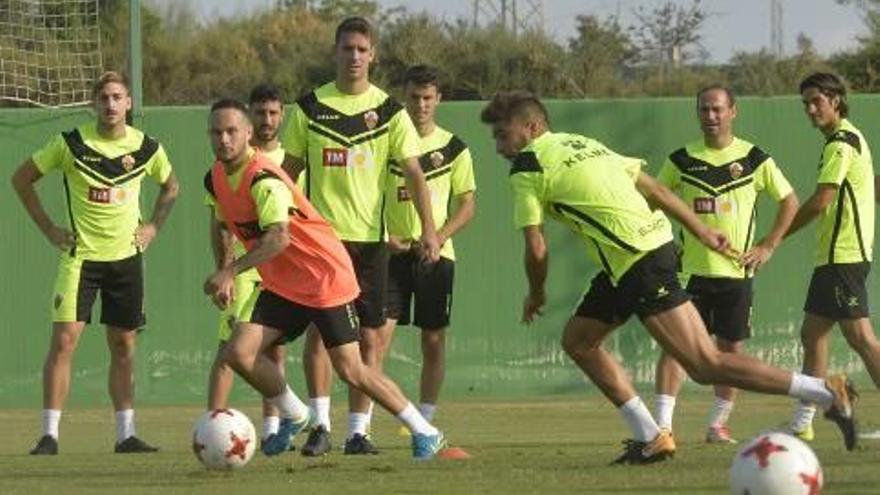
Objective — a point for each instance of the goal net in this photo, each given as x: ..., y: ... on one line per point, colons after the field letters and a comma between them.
x: 50, y: 52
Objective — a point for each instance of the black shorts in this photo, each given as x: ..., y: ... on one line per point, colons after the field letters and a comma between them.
x: 725, y: 304
x: 120, y: 282
x: 428, y: 284
x: 337, y: 325
x: 370, y: 260
x: 838, y: 291
x: 649, y: 287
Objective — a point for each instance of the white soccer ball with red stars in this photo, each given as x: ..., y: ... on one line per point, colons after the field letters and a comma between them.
x: 224, y: 439
x: 775, y: 464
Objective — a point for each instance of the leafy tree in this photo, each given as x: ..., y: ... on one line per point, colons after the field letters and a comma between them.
x: 599, y: 57
x: 669, y: 35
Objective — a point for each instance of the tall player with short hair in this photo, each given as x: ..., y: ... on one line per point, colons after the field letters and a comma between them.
x: 605, y: 198
x: 103, y: 164
x: 420, y: 293
x: 843, y: 205
x: 721, y: 176
x: 307, y: 278
x: 343, y: 135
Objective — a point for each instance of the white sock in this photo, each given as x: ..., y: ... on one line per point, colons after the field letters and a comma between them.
x: 639, y: 420
x: 321, y: 408
x: 416, y: 423
x: 51, y: 418
x: 289, y: 405
x: 357, y: 423
x: 124, y: 425
x: 270, y: 426
x: 810, y: 389
x: 428, y: 410
x: 664, y: 407
x: 803, y: 416
x: 369, y: 414
x: 720, y: 412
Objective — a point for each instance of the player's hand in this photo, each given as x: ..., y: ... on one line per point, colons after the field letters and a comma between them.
x: 756, y: 257
x: 61, y: 238
x: 430, y: 246
x: 144, y: 235
x: 715, y: 240
x: 220, y: 287
x: 532, y: 305
x: 398, y: 245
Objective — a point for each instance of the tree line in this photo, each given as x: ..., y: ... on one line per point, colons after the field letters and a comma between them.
x: 190, y: 61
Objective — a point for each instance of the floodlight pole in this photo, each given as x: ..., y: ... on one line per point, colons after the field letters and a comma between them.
x: 135, y: 61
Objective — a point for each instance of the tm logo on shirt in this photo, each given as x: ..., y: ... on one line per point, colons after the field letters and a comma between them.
x: 342, y: 157
x: 335, y: 157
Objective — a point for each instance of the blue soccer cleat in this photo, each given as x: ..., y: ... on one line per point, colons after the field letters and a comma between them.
x: 280, y: 442
x: 425, y: 447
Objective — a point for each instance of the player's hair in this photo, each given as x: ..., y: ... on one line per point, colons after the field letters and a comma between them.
x: 506, y: 105
x: 422, y: 75
x: 230, y: 103
x: 731, y: 98
x: 356, y: 25
x: 107, y: 78
x: 830, y: 85
x: 261, y: 93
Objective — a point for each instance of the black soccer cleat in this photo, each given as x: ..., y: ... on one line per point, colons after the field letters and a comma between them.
x: 842, y: 412
x: 317, y: 443
x: 134, y: 445
x: 360, y: 445
x: 46, y: 445
x: 636, y: 452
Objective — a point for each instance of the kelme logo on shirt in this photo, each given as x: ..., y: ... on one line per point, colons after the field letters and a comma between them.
x: 736, y: 170
x: 371, y: 118
x: 335, y: 157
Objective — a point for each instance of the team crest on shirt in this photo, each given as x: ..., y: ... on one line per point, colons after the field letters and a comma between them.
x: 371, y: 118
x: 436, y: 158
x: 736, y: 170
x: 128, y: 162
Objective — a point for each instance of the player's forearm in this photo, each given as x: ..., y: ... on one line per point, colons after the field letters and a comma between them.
x: 464, y: 212
x: 535, y: 259
x: 418, y: 190
x: 165, y: 201
x: 808, y: 211
x: 221, y: 244
x: 23, y: 182
x: 664, y: 199
x: 271, y: 244
x: 788, y: 208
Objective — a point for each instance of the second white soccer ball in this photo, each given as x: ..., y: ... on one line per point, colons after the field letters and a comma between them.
x: 775, y: 464
x: 224, y: 439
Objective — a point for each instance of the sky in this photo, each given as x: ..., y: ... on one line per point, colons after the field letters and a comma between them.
x: 733, y: 25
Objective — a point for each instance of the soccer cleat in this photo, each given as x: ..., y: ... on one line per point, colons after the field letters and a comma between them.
x: 277, y: 443
x: 719, y: 434
x: 317, y: 443
x: 134, y: 445
x: 46, y: 445
x: 403, y: 431
x: 638, y: 452
x: 841, y: 411
x: 359, y: 445
x: 425, y: 447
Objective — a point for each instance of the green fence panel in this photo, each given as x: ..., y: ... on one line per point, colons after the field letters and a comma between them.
x: 489, y: 352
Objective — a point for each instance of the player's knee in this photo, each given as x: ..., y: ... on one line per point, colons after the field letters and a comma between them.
x: 351, y: 373
x: 236, y: 357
